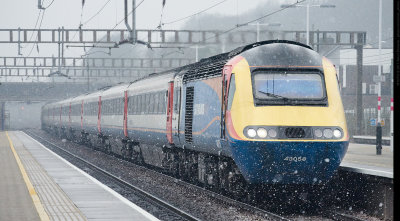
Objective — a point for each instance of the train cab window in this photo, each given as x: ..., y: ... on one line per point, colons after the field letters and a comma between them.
x: 289, y: 87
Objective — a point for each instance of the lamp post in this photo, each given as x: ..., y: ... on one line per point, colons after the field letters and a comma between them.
x: 308, y: 15
x: 265, y: 24
x: 379, y: 126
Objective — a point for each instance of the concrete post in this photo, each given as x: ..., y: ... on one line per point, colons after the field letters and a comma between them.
x: 359, y: 103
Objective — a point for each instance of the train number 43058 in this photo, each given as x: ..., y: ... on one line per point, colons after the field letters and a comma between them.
x: 295, y: 159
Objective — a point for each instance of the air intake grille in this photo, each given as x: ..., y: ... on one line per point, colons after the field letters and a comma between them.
x: 189, y: 114
x: 295, y: 132
x: 204, y: 71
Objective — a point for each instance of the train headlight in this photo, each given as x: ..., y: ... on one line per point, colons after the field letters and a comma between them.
x: 262, y: 133
x: 318, y: 133
x: 328, y: 133
x: 272, y: 133
x: 337, y: 133
x: 251, y: 133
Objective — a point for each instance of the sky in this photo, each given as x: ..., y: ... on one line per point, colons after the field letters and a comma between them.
x: 70, y: 13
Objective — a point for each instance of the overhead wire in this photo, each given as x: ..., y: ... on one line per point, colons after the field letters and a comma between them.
x: 33, y: 46
x: 99, y: 41
x: 48, y: 5
x: 97, y: 13
x: 80, y: 23
x: 37, y: 20
x: 197, y: 13
x: 264, y: 16
x: 186, y: 17
x: 246, y: 23
x: 237, y: 26
x: 87, y: 21
x: 226, y: 31
x: 40, y: 25
x: 174, y: 21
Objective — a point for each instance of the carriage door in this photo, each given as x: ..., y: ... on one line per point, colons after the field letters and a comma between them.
x: 170, y: 111
x: 177, y: 107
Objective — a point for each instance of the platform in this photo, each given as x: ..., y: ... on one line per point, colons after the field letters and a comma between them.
x: 58, y: 190
x: 362, y: 158
x: 16, y: 202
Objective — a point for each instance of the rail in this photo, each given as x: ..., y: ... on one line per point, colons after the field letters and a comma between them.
x: 137, y: 190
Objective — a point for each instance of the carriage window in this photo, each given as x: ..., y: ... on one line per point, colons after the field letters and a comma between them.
x: 156, y: 100
x: 95, y: 107
x: 151, y: 103
x: 146, y: 103
x: 139, y: 104
x: 130, y: 105
x: 135, y: 104
x: 164, y: 100
x: 121, y: 104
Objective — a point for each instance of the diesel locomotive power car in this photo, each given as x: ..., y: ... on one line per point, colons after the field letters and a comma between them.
x: 266, y: 113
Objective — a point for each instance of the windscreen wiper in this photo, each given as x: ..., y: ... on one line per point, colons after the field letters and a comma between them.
x: 275, y: 95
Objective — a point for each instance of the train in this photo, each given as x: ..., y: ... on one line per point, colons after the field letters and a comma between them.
x: 264, y: 113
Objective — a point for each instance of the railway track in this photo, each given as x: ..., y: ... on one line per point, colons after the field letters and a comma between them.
x: 169, y: 211
x: 335, y: 215
x: 233, y: 202
x: 166, y: 211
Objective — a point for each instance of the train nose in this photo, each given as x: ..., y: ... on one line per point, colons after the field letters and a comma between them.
x: 289, y: 162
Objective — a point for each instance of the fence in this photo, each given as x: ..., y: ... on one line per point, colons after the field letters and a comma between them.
x: 367, y: 128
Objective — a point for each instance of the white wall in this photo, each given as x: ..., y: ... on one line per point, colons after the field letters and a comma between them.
x: 370, y: 57
x: 24, y: 115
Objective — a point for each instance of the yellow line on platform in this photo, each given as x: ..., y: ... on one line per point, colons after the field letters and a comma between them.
x: 36, y: 201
